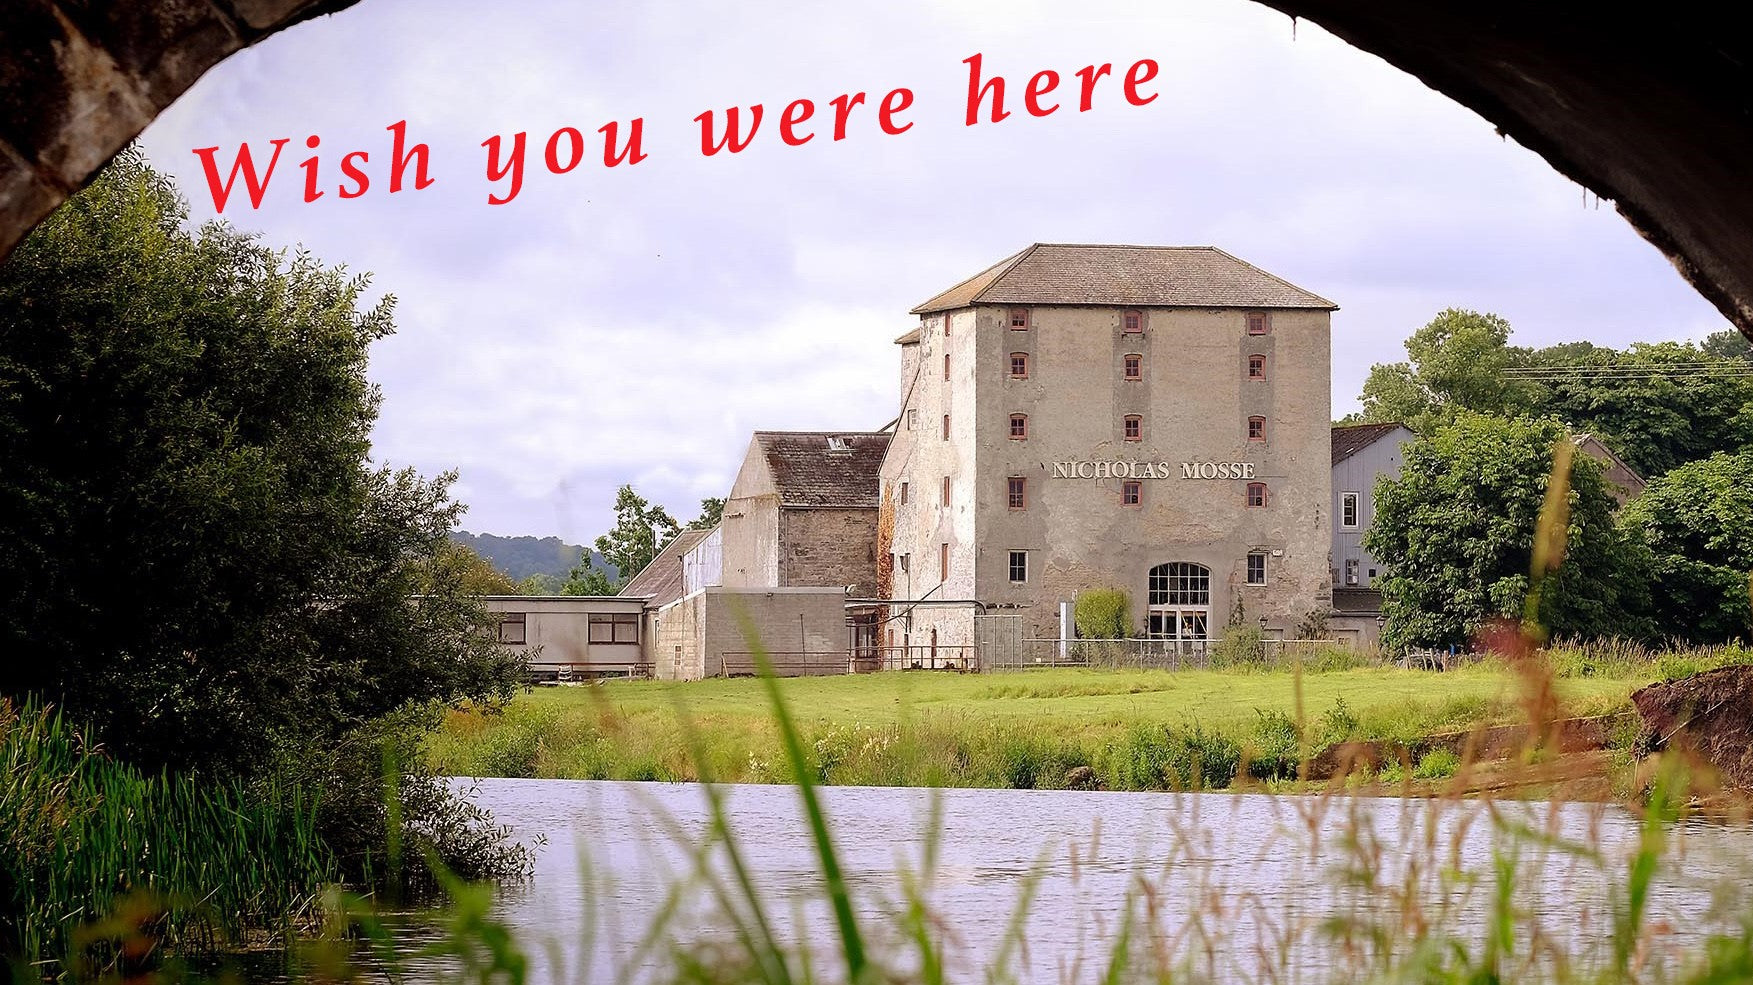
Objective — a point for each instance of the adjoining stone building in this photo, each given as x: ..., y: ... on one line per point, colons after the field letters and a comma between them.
x: 797, y: 540
x: 1154, y: 419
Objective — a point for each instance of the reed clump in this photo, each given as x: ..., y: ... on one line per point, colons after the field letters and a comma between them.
x: 192, y: 865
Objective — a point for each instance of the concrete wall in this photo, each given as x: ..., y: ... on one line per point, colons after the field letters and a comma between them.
x: 750, y: 527
x: 828, y: 548
x: 1195, y: 399
x: 922, y: 458
x: 556, y: 629
x: 708, y: 628
x: 703, y: 565
x: 1359, y: 474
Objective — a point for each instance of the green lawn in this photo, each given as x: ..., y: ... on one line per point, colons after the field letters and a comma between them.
x: 964, y: 730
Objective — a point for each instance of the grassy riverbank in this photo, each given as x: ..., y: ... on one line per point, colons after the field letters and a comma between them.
x: 1131, y: 729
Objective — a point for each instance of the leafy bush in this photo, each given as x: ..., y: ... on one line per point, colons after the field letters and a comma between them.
x: 1103, y: 614
x: 1338, y: 724
x: 1163, y: 757
x: 1274, y: 746
x: 1240, y: 646
x: 1437, y: 764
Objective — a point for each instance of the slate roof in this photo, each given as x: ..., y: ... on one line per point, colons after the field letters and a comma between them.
x: 1146, y: 276
x: 661, y: 580
x: 808, y: 472
x: 1353, y: 438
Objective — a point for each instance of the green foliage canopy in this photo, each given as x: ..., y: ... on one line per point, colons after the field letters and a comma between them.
x: 1656, y: 405
x: 1698, y: 522
x: 1456, y: 533
x: 195, y: 553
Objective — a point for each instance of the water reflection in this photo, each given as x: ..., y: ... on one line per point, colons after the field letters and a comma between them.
x: 1236, y: 881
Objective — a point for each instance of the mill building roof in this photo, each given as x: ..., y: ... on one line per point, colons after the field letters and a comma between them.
x: 1107, y: 274
x: 825, y: 468
x: 1350, y: 439
x: 660, y: 582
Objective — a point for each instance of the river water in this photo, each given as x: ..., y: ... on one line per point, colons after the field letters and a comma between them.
x: 1236, y: 885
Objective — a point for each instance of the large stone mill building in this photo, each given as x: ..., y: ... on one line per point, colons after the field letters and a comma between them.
x: 1154, y: 419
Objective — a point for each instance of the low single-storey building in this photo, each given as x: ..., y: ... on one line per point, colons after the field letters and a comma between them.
x: 573, y: 637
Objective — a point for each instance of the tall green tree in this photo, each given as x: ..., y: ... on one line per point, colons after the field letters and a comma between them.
x: 195, y: 552
x: 711, y: 512
x: 641, y: 530
x: 1698, y: 522
x: 1456, y: 364
x: 1456, y: 532
x: 1656, y: 405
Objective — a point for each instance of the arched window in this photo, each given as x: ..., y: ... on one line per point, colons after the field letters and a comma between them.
x: 1019, y: 365
x: 1132, y: 322
x: 1258, y: 323
x: 1180, y: 583
x: 1134, y: 364
x: 1134, y: 427
x: 1180, y: 605
x: 1019, y: 427
x: 1019, y: 319
x: 1256, y: 367
x: 1256, y: 494
x: 1256, y: 429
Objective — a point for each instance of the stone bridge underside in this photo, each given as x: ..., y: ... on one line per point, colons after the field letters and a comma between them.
x: 1653, y: 112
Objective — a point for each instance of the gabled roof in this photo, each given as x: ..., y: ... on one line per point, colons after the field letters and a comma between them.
x: 660, y: 582
x: 824, y: 468
x: 1146, y: 276
x: 910, y: 338
x: 1353, y: 438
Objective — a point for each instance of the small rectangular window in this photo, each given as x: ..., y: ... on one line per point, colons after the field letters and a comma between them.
x: 902, y: 560
x: 1019, y: 567
x: 1019, y: 427
x: 1131, y: 493
x: 946, y: 427
x: 511, y: 628
x: 1256, y: 367
x: 612, y: 627
x: 1019, y: 319
x: 1348, y: 510
x: 946, y: 490
x: 904, y: 492
x: 1256, y: 494
x: 1134, y: 427
x: 1134, y: 367
x: 1132, y: 322
x: 912, y: 419
x: 1016, y: 491
x: 946, y: 324
x: 946, y: 367
x: 943, y: 561
x: 1019, y: 365
x: 1351, y: 571
x: 1256, y: 569
x: 1256, y: 429
x: 1257, y: 323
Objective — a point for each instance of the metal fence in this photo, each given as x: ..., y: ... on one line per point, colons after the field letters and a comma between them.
x: 1141, y: 654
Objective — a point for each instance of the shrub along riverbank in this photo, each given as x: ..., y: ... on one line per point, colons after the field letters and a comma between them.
x: 1123, y: 730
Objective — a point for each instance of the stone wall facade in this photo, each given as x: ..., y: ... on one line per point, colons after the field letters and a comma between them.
x: 1193, y: 399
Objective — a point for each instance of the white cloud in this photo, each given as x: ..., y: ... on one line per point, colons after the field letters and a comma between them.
x: 636, y: 324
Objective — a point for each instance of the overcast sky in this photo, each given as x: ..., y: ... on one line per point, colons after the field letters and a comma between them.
x: 636, y: 324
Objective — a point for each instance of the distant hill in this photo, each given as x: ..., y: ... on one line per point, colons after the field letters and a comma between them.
x: 520, y: 557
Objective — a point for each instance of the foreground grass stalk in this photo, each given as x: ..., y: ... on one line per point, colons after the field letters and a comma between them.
x: 851, y: 941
